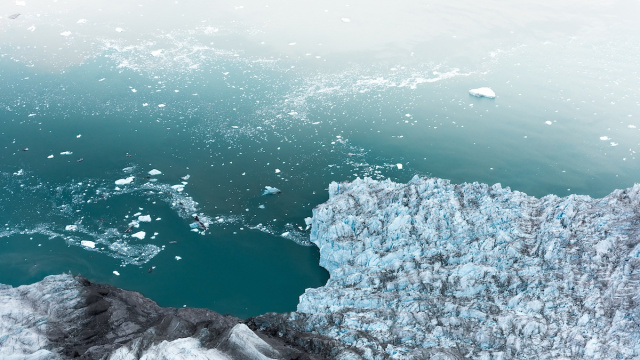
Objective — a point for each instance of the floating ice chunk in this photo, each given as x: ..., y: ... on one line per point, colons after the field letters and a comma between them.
x: 548, y: 122
x: 119, y: 29
x: 156, y: 52
x: 292, y: 44
x: 19, y: 172
x: 65, y: 33
x: 125, y: 181
x: 155, y: 172
x: 88, y: 243
x: 50, y: 156
x: 81, y: 21
x: 605, y: 138
x: 32, y: 28
x: 134, y: 90
x: 613, y: 143
x: 78, y: 136
x: 186, y: 177
x: 483, y: 92
x: 270, y: 190
x: 399, y: 166
x: 178, y: 258
x: 285, y: 234
x: 261, y: 206
x: 140, y: 235
x: 178, y: 187
x: 277, y: 171
x: 66, y: 153
x: 145, y: 104
x: 71, y: 228
x: 116, y: 273
x: 161, y: 105
x: 345, y: 20
x: 144, y: 218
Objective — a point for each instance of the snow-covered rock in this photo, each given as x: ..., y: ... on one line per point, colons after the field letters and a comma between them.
x: 65, y: 317
x: 483, y: 92
x: 430, y: 269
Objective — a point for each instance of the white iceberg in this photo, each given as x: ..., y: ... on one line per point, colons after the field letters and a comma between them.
x: 71, y: 228
x: 88, y: 243
x: 140, y: 235
x: 270, y: 190
x: 144, y: 218
x: 483, y: 92
x: 125, y: 181
x: 155, y: 172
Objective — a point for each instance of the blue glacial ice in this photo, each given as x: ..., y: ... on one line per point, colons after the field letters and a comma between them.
x: 431, y: 269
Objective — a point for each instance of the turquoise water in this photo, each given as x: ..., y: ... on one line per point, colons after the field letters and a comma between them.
x: 231, y: 103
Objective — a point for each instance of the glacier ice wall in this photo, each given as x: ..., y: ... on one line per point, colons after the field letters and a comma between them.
x: 434, y: 269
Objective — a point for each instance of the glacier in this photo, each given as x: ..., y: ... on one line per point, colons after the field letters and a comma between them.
x: 431, y: 269
x: 422, y: 270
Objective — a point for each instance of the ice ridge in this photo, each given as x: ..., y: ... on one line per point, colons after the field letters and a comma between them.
x: 431, y: 269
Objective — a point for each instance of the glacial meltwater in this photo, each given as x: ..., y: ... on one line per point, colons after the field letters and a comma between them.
x: 137, y: 139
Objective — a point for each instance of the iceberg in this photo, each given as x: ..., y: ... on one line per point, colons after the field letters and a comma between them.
x: 140, y: 235
x: 270, y: 190
x: 125, y: 181
x: 155, y: 172
x: 483, y: 92
x: 431, y: 269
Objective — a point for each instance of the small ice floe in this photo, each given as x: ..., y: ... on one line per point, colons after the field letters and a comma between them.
x: 345, y: 20
x: 71, y: 228
x: 178, y: 258
x: 145, y: 104
x: 66, y: 153
x: 139, y: 235
x: 119, y: 29
x: 548, y: 122
x: 65, y: 33
x: 116, y: 273
x: 261, y: 206
x: 78, y: 136
x: 88, y: 243
x: 19, y: 173
x: 270, y: 190
x: 154, y: 172
x: 125, y: 181
x: 156, y: 52
x: 399, y: 166
x: 483, y: 92
x: 134, y: 90
x: 186, y: 177
x: 277, y: 171
x: 50, y: 156
x: 32, y: 28
x: 81, y: 21
x: 161, y: 105
x: 144, y: 218
x: 605, y: 138
x: 178, y: 187
x: 613, y: 143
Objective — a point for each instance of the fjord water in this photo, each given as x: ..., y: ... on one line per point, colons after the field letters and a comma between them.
x: 227, y: 98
